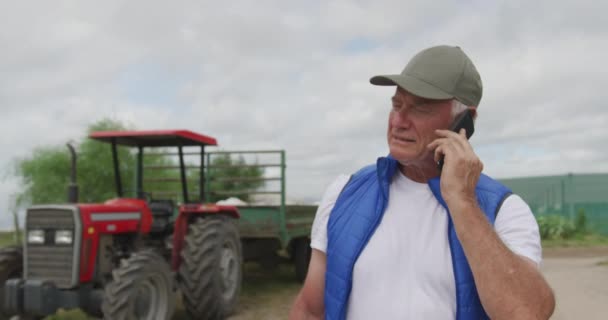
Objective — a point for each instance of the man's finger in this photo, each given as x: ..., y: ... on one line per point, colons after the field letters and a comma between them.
x: 436, y: 143
x: 454, y: 141
x: 448, y: 150
x: 460, y: 138
x: 463, y: 133
x: 438, y: 153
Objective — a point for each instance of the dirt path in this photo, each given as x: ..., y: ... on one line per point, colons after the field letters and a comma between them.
x: 579, y: 278
x: 266, y: 294
x: 580, y: 281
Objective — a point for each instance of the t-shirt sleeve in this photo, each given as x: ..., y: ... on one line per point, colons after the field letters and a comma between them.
x: 318, y: 234
x: 517, y: 228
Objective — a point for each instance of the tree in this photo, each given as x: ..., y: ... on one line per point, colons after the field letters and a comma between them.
x: 231, y: 178
x: 45, y: 173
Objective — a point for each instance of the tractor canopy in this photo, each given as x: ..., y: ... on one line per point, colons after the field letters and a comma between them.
x: 154, y: 138
x: 157, y: 139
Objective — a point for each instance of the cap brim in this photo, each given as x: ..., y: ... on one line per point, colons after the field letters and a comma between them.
x: 412, y: 85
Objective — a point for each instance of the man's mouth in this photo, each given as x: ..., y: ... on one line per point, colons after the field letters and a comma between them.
x: 404, y: 139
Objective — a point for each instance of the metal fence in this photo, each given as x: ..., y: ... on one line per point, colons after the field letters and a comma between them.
x: 566, y: 195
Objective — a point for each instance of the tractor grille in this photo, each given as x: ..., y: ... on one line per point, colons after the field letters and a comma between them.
x: 50, y: 261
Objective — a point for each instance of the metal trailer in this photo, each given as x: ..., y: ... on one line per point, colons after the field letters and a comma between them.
x: 270, y: 233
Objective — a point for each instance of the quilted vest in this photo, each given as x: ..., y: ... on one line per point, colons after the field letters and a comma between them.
x: 359, y: 210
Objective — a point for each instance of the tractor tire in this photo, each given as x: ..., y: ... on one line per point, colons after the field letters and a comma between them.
x: 211, y: 268
x: 302, y: 252
x: 141, y: 289
x: 11, y: 266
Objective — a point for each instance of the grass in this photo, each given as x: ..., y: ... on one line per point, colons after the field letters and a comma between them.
x: 260, y: 287
x: 7, y: 238
x: 583, y: 241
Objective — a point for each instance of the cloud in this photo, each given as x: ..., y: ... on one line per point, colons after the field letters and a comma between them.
x: 274, y: 74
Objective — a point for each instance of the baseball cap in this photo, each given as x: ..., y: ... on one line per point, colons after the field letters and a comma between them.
x: 441, y: 72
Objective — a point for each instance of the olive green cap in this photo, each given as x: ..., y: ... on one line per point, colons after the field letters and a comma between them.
x: 441, y: 72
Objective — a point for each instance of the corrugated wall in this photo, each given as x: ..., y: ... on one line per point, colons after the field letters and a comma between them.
x: 565, y: 195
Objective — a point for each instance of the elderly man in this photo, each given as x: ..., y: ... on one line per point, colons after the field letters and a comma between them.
x: 406, y: 238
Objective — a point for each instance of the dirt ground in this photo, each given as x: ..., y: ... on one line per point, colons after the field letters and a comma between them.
x: 579, y: 278
x: 580, y: 281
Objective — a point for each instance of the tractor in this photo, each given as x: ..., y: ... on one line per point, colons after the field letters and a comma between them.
x: 129, y: 257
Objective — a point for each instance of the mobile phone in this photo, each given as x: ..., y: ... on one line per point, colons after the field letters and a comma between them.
x: 465, y: 120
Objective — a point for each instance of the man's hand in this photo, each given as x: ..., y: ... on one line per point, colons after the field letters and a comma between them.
x: 461, y: 167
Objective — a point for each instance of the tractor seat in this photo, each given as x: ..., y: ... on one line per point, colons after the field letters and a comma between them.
x: 161, y: 207
x: 162, y: 211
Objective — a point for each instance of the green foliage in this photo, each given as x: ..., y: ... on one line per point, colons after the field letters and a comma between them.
x: 580, y: 221
x: 231, y: 175
x: 578, y: 240
x: 555, y: 227
x: 95, y: 166
x: 7, y: 239
x: 45, y: 174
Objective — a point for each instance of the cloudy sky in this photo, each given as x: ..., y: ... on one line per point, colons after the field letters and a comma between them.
x: 294, y: 75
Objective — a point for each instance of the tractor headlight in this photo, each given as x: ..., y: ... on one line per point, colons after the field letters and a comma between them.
x: 63, y: 237
x: 35, y: 236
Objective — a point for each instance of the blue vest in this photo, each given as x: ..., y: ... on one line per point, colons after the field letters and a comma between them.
x: 359, y: 210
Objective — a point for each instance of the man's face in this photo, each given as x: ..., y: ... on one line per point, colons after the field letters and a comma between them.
x: 412, y: 123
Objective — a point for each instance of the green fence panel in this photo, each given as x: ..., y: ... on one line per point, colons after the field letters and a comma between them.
x: 565, y: 195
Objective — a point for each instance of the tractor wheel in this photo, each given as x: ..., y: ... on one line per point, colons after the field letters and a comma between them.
x: 141, y: 288
x: 11, y: 266
x: 302, y: 252
x: 211, y: 268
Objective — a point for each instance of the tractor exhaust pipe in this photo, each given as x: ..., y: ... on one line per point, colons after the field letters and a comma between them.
x: 73, y: 186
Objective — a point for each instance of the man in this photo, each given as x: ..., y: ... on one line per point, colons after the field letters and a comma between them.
x: 402, y: 239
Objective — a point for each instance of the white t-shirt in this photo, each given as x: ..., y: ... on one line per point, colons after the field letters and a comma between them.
x: 405, y: 270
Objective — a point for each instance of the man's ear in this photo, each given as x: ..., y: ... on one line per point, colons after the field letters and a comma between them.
x: 473, y: 112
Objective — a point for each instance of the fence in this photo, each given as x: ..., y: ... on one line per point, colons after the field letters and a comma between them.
x: 566, y: 195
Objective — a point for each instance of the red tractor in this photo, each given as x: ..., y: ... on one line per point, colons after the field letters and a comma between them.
x: 128, y: 258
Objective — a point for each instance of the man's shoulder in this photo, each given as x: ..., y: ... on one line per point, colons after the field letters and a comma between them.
x: 487, y: 183
x: 368, y: 169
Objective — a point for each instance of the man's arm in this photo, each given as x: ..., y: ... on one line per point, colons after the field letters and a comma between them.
x: 509, y: 286
x: 309, y: 302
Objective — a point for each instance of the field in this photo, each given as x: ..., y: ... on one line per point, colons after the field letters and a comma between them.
x: 6, y: 238
x: 577, y: 271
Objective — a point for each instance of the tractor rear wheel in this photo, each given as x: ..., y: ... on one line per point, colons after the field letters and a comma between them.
x: 11, y: 266
x: 302, y: 252
x: 211, y: 268
x: 141, y: 289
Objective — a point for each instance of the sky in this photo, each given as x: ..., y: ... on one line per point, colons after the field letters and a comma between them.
x: 294, y: 75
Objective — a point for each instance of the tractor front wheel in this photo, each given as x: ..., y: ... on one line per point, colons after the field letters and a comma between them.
x: 211, y: 268
x: 11, y: 266
x: 141, y: 289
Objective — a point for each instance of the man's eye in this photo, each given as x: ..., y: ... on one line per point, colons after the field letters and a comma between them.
x: 422, y: 108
